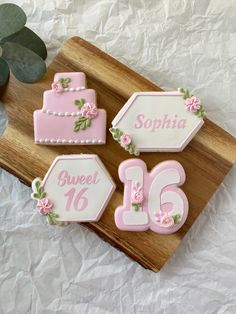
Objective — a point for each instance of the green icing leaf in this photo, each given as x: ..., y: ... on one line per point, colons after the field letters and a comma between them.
x: 136, y: 207
x: 41, y: 190
x: 116, y: 133
x: 176, y: 218
x: 136, y: 153
x: 4, y: 72
x: 12, y: 19
x: 82, y: 123
x: 37, y: 185
x: 36, y: 195
x: 132, y: 149
x: 27, y: 38
x: 79, y: 102
x: 43, y: 195
x: 65, y: 81
x: 185, y: 92
x: 201, y: 113
x: 26, y: 65
x: 50, y: 219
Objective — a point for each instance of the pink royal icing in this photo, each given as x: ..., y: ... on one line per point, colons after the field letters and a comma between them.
x: 137, y: 194
x: 157, y: 121
x: 125, y: 139
x: 75, y: 188
x: 62, y: 122
x: 44, y: 206
x: 162, y: 205
x: 57, y: 87
x: 193, y: 104
x: 89, y: 110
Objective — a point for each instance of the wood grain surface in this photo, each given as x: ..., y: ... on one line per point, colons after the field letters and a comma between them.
x: 206, y: 160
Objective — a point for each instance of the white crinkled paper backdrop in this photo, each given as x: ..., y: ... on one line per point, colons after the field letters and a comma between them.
x: 70, y: 270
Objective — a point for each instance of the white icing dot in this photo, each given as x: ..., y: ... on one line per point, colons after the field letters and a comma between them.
x: 71, y: 89
x: 82, y: 87
x: 40, y: 140
x: 73, y: 114
x: 77, y: 89
x: 82, y: 141
x: 46, y: 140
x: 54, y: 113
x: 63, y: 141
x: 66, y: 113
x: 76, y: 141
x: 58, y: 141
x: 52, y: 141
x: 66, y: 89
x: 87, y: 141
x: 99, y: 141
x: 70, y: 141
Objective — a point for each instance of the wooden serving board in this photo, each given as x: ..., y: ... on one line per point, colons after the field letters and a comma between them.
x: 206, y: 160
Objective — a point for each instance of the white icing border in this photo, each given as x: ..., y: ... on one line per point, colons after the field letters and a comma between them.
x: 72, y: 89
x: 63, y: 141
x: 62, y: 114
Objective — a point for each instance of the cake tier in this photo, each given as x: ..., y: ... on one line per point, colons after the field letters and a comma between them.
x: 56, y: 130
x: 65, y: 102
x: 78, y: 79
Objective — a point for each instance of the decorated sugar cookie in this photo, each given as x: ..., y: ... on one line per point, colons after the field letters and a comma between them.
x: 152, y: 200
x: 158, y: 121
x: 70, y: 115
x: 75, y: 188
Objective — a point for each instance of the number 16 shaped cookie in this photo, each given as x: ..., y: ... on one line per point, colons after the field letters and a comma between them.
x: 152, y: 200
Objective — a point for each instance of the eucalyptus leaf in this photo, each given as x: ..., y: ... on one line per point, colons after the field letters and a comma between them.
x: 4, y: 72
x: 12, y: 19
x: 3, y: 119
x: 26, y: 65
x: 30, y: 40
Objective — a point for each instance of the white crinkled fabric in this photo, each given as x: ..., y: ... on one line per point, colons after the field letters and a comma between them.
x: 71, y: 270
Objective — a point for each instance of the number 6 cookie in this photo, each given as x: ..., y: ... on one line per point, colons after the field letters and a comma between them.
x: 152, y: 200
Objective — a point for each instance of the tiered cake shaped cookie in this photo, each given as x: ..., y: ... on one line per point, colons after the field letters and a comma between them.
x: 69, y: 115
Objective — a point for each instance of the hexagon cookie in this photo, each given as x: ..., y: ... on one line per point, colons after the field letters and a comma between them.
x: 75, y: 188
x: 158, y: 121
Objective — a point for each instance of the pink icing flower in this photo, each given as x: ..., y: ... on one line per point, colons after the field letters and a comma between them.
x: 192, y: 104
x: 164, y: 219
x: 125, y: 140
x: 137, y: 194
x: 56, y: 86
x: 89, y: 110
x: 137, y: 197
x: 167, y: 221
x: 44, y: 206
x: 159, y: 216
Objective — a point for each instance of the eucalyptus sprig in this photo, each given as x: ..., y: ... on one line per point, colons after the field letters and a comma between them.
x: 21, y: 50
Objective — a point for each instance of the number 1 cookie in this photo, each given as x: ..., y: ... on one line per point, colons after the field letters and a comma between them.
x: 152, y: 200
x: 75, y: 188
